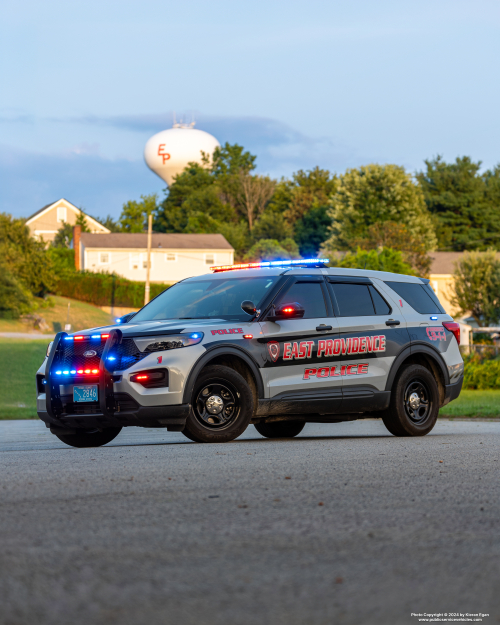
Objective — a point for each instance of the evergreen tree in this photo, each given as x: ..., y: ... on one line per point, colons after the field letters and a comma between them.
x: 465, y: 204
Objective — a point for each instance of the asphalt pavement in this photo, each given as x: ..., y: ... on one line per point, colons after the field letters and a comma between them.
x: 344, y: 524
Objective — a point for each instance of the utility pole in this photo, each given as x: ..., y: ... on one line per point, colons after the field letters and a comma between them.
x: 150, y: 233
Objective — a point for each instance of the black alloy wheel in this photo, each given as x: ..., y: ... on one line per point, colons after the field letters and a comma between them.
x: 222, y: 406
x: 417, y: 402
x: 217, y: 405
x: 414, y: 405
x: 89, y: 438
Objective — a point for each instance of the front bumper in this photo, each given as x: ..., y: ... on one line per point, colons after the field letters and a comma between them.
x: 171, y: 417
x: 452, y: 391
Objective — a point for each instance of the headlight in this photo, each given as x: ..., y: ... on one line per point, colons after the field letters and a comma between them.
x: 49, y: 347
x: 172, y: 341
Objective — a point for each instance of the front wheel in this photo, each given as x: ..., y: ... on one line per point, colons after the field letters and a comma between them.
x: 280, y: 429
x: 222, y: 406
x: 89, y: 438
x: 414, y: 406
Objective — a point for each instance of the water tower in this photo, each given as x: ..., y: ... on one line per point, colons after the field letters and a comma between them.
x: 168, y: 152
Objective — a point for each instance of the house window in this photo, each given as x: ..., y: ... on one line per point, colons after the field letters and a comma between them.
x: 209, y: 259
x: 61, y: 214
x: 171, y: 258
x: 104, y: 258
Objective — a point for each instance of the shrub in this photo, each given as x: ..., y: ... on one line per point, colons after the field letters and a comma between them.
x: 103, y: 289
x: 481, y: 374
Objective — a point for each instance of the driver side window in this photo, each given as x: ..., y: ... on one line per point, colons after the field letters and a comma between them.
x: 309, y: 295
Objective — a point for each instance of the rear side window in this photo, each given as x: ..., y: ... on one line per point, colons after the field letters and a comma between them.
x: 381, y: 306
x: 309, y: 295
x: 419, y: 296
x: 354, y: 300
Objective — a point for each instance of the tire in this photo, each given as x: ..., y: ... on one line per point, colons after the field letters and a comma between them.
x: 222, y: 406
x: 280, y: 429
x: 414, y: 405
x: 89, y: 438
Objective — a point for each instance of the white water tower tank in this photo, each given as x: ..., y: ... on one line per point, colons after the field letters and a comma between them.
x: 168, y: 152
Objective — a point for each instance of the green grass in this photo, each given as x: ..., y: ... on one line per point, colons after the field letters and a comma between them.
x: 81, y: 317
x: 21, y: 358
x: 474, y: 404
x: 18, y: 365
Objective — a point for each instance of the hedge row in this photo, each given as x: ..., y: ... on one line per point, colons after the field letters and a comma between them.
x: 102, y: 289
x: 481, y: 374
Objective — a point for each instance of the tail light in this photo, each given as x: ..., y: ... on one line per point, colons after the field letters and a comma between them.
x: 454, y: 327
x: 152, y: 378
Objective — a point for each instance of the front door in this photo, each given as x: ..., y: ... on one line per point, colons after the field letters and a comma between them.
x: 371, y: 333
x: 299, y: 361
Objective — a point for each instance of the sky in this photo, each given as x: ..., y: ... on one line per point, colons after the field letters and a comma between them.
x: 334, y: 84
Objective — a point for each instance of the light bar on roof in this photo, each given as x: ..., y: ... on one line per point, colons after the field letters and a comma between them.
x: 311, y: 262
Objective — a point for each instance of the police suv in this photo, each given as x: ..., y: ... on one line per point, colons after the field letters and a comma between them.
x: 275, y: 344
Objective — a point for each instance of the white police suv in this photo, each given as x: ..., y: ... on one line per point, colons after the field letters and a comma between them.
x: 276, y: 344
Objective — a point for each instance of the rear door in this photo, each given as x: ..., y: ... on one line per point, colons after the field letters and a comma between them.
x: 371, y: 334
x: 297, y: 361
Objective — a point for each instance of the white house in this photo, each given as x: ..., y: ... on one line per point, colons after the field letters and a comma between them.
x: 173, y: 256
x: 45, y: 223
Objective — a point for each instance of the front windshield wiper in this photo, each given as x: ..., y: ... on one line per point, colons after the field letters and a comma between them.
x: 197, y: 317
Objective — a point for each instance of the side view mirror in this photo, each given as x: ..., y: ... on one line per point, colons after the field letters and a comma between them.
x: 126, y: 318
x: 248, y: 307
x: 292, y: 310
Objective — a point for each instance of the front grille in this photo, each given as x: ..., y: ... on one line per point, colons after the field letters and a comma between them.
x: 126, y: 355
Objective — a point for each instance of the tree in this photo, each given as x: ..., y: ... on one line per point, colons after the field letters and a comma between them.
x: 25, y: 257
x: 254, y: 194
x: 210, y: 197
x: 397, y: 236
x: 270, y: 249
x: 384, y: 259
x: 134, y: 215
x: 375, y: 194
x: 477, y: 287
x: 15, y: 299
x: 464, y: 203
x: 64, y: 236
x: 108, y: 222
x: 305, y: 201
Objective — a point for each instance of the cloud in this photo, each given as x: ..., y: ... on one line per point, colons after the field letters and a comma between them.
x: 100, y: 186
x: 89, y: 174
x: 280, y: 148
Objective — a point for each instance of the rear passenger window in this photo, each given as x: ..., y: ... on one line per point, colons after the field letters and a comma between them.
x: 381, y: 306
x: 354, y: 300
x: 309, y: 295
x: 417, y: 296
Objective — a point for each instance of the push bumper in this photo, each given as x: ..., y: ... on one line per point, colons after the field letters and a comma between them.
x: 112, y: 410
x: 452, y: 391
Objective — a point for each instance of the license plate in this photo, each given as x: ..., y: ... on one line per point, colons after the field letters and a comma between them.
x: 85, y: 393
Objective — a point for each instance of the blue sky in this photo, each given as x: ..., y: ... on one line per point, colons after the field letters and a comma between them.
x: 84, y: 84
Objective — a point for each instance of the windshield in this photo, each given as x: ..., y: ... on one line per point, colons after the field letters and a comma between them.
x: 207, y: 299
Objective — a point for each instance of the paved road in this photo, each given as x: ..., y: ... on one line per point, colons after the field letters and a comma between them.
x: 344, y: 524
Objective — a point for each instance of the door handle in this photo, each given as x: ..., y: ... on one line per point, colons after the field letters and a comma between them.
x: 392, y: 322
x: 322, y: 328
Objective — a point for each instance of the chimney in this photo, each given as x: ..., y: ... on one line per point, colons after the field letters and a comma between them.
x: 77, y: 232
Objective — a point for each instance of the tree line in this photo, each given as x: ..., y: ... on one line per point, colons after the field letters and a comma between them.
x: 379, y: 217
x: 446, y: 206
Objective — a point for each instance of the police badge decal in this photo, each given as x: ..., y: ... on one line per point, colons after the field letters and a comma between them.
x: 273, y: 347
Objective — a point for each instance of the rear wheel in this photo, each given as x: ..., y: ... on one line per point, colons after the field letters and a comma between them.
x: 414, y: 406
x: 280, y: 429
x: 89, y: 438
x: 221, y: 407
